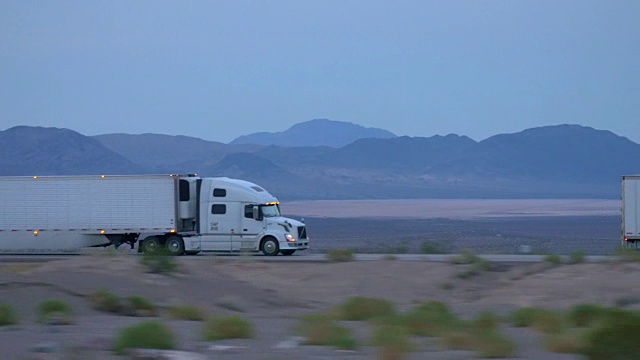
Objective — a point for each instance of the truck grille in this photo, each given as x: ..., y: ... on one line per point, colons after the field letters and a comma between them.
x: 302, y: 232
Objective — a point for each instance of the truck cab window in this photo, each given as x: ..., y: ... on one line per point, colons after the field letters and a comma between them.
x: 270, y: 210
x: 219, y: 192
x: 218, y: 209
x: 248, y: 211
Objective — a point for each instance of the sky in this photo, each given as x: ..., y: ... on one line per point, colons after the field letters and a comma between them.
x: 220, y: 69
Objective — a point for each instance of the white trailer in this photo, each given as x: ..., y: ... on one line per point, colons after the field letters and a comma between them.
x: 184, y: 214
x: 630, y: 210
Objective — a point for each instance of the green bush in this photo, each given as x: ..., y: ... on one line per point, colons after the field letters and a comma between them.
x: 553, y: 259
x: 321, y: 329
x: 159, y: 262
x: 227, y: 327
x: 432, y: 247
x: 475, y: 268
x: 541, y: 320
x: 577, y: 257
x: 526, y: 316
x: 627, y: 254
x: 475, y: 264
x: 468, y: 272
x: 7, y: 315
x: 549, y: 322
x: 462, y: 339
x: 340, y: 255
x: 565, y: 342
x: 485, y: 321
x: 186, y: 312
x: 466, y: 257
x: 54, y: 311
x: 358, y: 308
x: 105, y: 300
x: 431, y: 318
x: 615, y: 338
x: 479, y: 335
x: 392, y: 341
x: 582, y: 315
x: 145, y: 335
x: 140, y: 306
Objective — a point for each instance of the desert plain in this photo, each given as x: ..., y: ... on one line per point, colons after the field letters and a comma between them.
x: 274, y: 295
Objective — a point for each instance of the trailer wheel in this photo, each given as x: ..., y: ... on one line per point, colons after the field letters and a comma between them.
x: 175, y: 245
x: 150, y: 245
x: 269, y: 246
x: 287, y: 252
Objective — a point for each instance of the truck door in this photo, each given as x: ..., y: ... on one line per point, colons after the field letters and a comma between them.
x: 222, y: 223
x: 250, y: 229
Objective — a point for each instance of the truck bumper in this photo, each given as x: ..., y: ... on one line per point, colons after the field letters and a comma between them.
x: 298, y: 245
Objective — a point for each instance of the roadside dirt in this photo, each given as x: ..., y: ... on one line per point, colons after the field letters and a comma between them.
x: 273, y: 295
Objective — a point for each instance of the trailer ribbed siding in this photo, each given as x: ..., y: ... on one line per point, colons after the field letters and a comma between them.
x: 88, y: 204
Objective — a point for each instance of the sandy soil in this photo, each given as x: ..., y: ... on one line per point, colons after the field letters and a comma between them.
x: 273, y: 295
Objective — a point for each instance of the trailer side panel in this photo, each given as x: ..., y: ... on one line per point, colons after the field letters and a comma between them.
x: 630, y: 207
x: 88, y: 204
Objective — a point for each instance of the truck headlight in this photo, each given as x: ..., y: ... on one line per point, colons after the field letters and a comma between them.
x: 290, y: 238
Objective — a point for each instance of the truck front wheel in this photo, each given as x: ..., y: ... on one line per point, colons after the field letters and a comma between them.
x: 175, y: 245
x: 270, y: 246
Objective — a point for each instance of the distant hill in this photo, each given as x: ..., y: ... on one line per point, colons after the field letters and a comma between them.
x: 319, y: 132
x: 279, y: 181
x: 28, y: 150
x: 561, y: 153
x: 170, y: 154
x: 400, y: 153
x: 562, y: 161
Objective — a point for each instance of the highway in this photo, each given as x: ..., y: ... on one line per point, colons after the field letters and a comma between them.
x: 12, y: 258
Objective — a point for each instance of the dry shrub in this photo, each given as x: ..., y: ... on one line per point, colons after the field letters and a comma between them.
x: 321, y: 329
x: 392, y: 341
x: 227, y: 327
x: 340, y: 255
x: 7, y: 315
x: 186, y: 312
x: 359, y: 308
x: 146, y: 335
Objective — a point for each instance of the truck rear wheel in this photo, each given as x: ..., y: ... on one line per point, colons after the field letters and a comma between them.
x: 150, y: 245
x: 270, y: 246
x: 175, y: 245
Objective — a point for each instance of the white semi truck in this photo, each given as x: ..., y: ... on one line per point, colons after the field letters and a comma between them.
x: 182, y: 213
x: 630, y: 210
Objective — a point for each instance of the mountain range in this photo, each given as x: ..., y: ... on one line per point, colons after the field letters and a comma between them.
x: 562, y: 161
x: 318, y: 132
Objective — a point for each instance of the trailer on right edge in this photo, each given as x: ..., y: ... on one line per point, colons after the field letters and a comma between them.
x: 630, y: 210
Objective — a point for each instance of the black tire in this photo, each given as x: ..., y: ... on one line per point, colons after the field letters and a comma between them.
x: 287, y: 252
x: 270, y: 246
x: 151, y: 245
x: 174, y: 245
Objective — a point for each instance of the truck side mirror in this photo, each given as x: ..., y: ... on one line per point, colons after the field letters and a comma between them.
x: 256, y: 213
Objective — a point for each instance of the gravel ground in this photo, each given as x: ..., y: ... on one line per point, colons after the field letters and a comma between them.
x: 272, y: 295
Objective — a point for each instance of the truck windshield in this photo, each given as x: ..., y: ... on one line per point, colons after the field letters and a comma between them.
x: 270, y: 210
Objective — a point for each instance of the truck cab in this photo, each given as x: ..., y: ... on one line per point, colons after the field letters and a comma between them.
x: 231, y: 215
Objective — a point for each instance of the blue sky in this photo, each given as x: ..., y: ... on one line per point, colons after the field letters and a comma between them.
x: 221, y: 69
